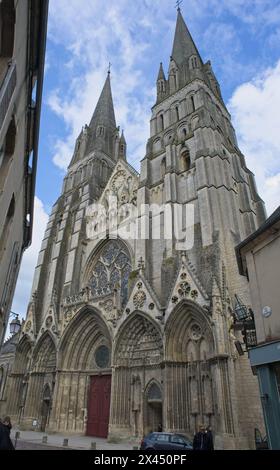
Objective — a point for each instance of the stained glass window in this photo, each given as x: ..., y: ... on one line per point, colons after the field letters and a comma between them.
x: 102, y: 357
x: 111, y: 271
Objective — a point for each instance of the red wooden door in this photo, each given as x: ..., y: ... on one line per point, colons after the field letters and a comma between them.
x: 99, y: 406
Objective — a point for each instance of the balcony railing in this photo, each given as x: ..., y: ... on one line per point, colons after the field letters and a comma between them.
x: 6, y: 91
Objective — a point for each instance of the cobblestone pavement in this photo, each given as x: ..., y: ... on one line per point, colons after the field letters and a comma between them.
x: 23, y: 445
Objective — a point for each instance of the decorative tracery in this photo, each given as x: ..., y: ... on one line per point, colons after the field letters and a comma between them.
x: 111, y: 271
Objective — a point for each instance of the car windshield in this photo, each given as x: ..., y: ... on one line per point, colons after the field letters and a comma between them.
x: 186, y: 438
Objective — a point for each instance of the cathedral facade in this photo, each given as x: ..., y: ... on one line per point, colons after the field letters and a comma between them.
x: 127, y: 334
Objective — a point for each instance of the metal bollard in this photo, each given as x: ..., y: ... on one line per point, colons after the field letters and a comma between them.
x: 93, y: 445
x: 17, y: 436
x: 65, y: 443
x: 44, y: 439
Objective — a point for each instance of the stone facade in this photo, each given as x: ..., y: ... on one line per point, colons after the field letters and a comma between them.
x: 142, y: 324
x: 22, y: 52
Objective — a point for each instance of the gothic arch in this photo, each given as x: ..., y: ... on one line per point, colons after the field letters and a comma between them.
x: 138, y: 342
x: 108, y: 268
x: 152, y: 388
x: 186, y: 329
x: 23, y: 355
x: 85, y: 333
x: 44, y: 355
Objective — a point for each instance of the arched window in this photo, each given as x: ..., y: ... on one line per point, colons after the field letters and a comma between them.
x: 7, y: 226
x: 100, y: 131
x: 184, y: 132
x: 177, y: 113
x: 163, y: 167
x: 185, y: 159
x: 154, y: 393
x: 111, y: 271
x: 161, y: 122
x: 1, y: 379
x: 6, y: 153
x: 192, y: 103
x: 193, y: 62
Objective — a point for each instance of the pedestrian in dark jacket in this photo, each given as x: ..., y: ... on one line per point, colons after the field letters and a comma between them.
x: 210, y: 440
x: 8, y: 424
x: 5, y: 440
x: 200, y: 441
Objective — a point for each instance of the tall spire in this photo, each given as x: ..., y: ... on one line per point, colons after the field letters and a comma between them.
x: 104, y: 112
x: 102, y: 126
x: 161, y: 75
x: 183, y: 45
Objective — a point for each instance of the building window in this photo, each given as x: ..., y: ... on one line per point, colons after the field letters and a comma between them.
x: 193, y: 62
x: 100, y: 131
x: 177, y: 113
x: 161, y: 122
x: 7, y: 226
x: 185, y: 159
x: 1, y: 379
x: 163, y: 167
x: 111, y: 271
x: 6, y: 153
x: 102, y: 357
x: 7, y: 34
x: 192, y: 103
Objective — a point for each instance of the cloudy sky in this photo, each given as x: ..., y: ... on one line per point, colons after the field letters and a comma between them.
x: 240, y: 37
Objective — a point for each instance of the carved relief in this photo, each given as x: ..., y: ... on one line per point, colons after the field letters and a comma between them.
x: 139, y: 299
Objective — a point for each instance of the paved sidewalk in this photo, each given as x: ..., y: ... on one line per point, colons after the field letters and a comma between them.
x: 78, y: 442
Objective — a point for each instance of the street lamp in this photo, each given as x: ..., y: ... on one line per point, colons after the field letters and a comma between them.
x: 15, y: 324
x: 244, y: 321
x: 240, y: 310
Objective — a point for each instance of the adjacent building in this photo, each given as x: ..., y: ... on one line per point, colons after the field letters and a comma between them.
x: 127, y: 334
x: 23, y: 27
x: 259, y: 259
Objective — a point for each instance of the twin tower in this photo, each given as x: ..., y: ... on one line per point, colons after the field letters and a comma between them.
x: 125, y: 335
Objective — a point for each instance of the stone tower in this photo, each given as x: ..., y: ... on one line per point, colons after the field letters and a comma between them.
x: 125, y: 334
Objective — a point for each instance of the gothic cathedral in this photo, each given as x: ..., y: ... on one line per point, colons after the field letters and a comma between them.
x: 124, y: 335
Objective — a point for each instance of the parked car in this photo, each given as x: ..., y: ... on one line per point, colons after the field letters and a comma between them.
x: 165, y: 441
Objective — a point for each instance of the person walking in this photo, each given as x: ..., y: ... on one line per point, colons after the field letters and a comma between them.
x: 5, y: 440
x: 200, y: 441
x: 210, y: 440
x: 8, y: 424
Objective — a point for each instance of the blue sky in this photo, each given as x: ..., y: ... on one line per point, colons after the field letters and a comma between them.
x: 240, y: 37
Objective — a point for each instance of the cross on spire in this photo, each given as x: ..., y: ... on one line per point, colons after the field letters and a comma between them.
x: 109, y: 67
x: 178, y: 3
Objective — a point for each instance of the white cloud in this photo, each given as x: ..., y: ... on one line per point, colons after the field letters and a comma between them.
x: 29, y: 260
x: 254, y: 107
x: 92, y: 46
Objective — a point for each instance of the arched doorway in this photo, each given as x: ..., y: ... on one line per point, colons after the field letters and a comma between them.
x: 153, y: 408
x: 85, y: 368
x: 189, y: 369
x: 138, y: 357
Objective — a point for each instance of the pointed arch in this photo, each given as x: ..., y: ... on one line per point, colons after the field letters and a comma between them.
x: 153, y: 390
x: 108, y: 268
x: 187, y: 323
x: 185, y: 158
x: 44, y: 357
x: 138, y: 341
x: 23, y: 355
x: 81, y: 339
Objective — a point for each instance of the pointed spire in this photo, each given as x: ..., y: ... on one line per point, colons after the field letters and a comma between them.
x: 104, y: 112
x: 102, y: 126
x: 183, y: 45
x: 161, y: 75
x: 122, y: 147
